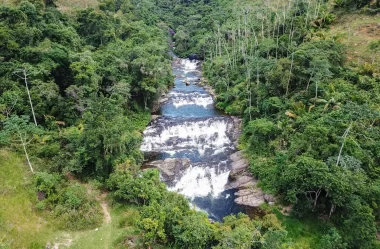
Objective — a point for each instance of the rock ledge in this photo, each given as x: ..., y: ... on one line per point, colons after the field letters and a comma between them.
x: 248, y: 194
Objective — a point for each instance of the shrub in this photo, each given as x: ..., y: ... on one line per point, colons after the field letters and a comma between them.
x: 76, y: 209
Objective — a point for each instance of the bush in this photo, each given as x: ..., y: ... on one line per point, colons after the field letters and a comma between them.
x: 76, y: 209
x: 332, y: 240
x: 47, y: 183
x: 195, y: 232
x: 41, y: 206
x: 141, y: 189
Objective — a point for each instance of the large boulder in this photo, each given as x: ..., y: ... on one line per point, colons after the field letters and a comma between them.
x: 238, y: 165
x: 162, y: 100
x: 250, y: 197
x: 236, y: 134
x: 154, y: 117
x: 237, y: 156
x: 238, y: 168
x: 270, y: 199
x: 241, y: 182
x: 248, y: 194
x: 194, y: 57
x: 170, y: 167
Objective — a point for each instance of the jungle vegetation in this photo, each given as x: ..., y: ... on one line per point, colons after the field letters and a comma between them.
x: 77, y: 88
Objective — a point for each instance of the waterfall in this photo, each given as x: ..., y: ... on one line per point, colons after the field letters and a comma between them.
x: 190, y: 127
x: 179, y: 99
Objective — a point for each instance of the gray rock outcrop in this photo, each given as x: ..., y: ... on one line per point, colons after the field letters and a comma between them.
x: 251, y: 197
x: 170, y: 167
x: 248, y: 194
x: 154, y: 117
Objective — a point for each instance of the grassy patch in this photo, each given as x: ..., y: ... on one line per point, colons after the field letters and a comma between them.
x: 357, y: 31
x: 70, y: 5
x: 20, y: 224
x: 302, y: 233
x: 6, y: 2
x: 116, y: 234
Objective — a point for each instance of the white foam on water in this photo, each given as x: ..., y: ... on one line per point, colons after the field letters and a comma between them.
x: 201, y: 135
x: 192, y: 79
x: 182, y: 99
x: 201, y: 182
x: 189, y: 65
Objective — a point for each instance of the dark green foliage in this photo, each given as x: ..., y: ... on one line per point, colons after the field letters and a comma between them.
x: 332, y: 240
x: 141, y: 189
x: 47, y: 183
x: 75, y: 209
x: 71, y: 204
x: 352, y: 3
x: 88, y: 78
x: 311, y: 124
x: 194, y: 232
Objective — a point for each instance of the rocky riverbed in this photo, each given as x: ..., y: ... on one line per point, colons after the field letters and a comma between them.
x: 194, y: 147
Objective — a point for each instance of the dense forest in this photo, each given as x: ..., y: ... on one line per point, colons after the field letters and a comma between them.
x: 77, y: 89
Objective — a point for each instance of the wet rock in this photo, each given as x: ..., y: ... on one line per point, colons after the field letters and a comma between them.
x: 251, y: 197
x: 157, y: 104
x: 248, y: 194
x: 241, y: 182
x: 239, y: 166
x: 210, y: 90
x: 170, y: 167
x: 193, y: 57
x: 237, y: 123
x: 270, y: 199
x: 154, y: 117
x: 162, y: 100
x: 237, y: 156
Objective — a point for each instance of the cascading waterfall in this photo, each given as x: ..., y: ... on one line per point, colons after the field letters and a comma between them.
x: 179, y: 99
x: 190, y: 127
x: 167, y: 134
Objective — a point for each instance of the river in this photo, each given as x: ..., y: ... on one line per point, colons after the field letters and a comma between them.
x: 191, y: 127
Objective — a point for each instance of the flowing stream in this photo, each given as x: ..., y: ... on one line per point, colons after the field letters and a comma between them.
x: 190, y: 127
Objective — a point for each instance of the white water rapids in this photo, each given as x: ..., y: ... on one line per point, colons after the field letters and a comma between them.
x: 190, y: 127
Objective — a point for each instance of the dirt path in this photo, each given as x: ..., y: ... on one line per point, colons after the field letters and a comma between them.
x: 104, y: 205
x: 100, y: 198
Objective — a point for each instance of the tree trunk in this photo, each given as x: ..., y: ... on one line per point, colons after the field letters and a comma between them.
x: 290, y: 74
x: 26, y: 153
x: 345, y: 134
x: 30, y: 99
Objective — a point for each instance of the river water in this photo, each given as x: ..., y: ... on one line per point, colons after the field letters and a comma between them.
x: 191, y: 127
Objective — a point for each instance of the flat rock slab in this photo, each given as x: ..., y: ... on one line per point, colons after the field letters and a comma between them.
x: 248, y: 194
x: 236, y: 156
x: 154, y: 117
x: 239, y: 166
x: 251, y: 197
x: 241, y: 182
